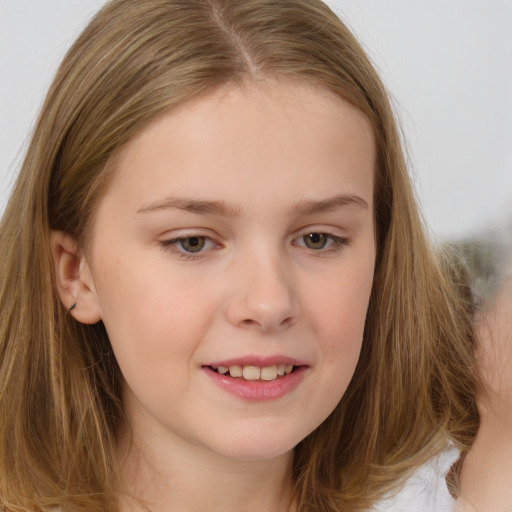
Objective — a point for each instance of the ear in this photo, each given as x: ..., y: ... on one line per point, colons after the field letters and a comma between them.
x: 74, y: 280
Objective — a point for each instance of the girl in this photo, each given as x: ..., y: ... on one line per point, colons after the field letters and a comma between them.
x: 215, y: 287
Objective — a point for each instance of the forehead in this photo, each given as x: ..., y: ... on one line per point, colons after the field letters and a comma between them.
x: 258, y: 133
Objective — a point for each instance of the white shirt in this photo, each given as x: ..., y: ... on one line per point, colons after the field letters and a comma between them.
x: 425, y: 490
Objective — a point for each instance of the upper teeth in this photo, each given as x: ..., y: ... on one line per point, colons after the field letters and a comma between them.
x: 250, y: 372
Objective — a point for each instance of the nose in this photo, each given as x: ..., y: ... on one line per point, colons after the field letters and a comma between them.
x: 263, y: 296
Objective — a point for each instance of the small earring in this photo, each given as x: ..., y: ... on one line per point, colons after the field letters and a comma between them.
x: 73, y: 306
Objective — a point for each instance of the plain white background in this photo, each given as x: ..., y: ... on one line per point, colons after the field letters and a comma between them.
x: 447, y: 63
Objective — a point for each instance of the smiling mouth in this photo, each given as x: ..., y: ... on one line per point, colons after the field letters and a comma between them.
x: 252, y: 373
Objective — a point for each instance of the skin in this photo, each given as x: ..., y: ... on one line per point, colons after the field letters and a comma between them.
x: 274, y: 156
x: 487, y: 469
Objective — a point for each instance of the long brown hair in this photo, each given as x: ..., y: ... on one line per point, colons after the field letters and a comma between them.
x: 60, y: 386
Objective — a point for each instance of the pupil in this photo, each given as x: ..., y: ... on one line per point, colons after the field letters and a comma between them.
x: 315, y: 240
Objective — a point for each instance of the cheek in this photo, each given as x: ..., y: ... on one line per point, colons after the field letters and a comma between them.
x: 340, y: 313
x: 155, y: 318
x: 341, y: 305
x: 137, y: 306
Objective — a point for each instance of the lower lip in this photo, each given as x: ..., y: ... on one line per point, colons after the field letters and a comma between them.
x: 257, y: 390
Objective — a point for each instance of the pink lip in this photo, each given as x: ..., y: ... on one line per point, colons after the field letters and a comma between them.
x: 255, y: 390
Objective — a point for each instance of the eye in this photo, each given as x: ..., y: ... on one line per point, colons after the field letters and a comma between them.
x: 315, y: 240
x: 189, y: 246
x: 322, y: 242
x: 192, y: 243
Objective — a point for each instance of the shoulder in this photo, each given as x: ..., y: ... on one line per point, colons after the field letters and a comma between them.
x: 425, y: 490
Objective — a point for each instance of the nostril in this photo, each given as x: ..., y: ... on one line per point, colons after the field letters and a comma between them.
x: 287, y: 321
x: 248, y: 322
x: 267, y: 324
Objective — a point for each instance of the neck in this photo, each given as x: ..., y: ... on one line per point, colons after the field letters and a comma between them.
x: 190, y: 478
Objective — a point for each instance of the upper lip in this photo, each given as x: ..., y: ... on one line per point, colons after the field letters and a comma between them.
x: 254, y: 360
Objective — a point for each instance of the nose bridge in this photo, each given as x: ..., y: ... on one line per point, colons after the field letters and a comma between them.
x: 263, y: 295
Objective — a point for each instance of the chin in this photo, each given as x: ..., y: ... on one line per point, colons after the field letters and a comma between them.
x: 258, y: 446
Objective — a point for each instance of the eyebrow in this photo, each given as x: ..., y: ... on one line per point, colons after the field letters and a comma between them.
x: 202, y: 206
x: 332, y: 203
x: 224, y: 209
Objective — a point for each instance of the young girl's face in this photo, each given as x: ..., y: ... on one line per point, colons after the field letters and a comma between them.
x: 231, y: 262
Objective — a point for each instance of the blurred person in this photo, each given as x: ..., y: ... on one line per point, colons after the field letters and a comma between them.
x: 487, y: 469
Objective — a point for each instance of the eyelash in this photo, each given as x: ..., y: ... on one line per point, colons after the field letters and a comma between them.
x: 337, y: 243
